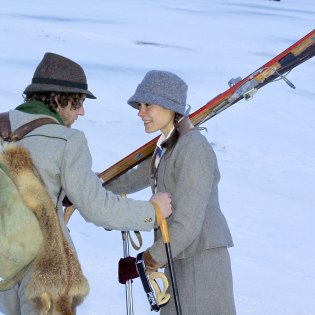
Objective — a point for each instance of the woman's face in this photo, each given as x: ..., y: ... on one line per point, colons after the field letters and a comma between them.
x: 156, y: 118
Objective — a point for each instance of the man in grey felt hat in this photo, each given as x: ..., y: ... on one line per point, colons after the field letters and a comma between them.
x: 59, y: 74
x: 63, y: 162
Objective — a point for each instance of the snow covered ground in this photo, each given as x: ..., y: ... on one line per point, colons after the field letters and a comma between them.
x: 265, y: 147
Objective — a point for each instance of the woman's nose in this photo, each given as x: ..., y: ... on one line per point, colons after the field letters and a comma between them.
x: 142, y: 110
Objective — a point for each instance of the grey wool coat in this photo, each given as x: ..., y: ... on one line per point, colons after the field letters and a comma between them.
x: 199, y: 234
x: 63, y: 161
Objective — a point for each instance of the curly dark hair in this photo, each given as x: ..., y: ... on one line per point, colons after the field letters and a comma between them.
x: 49, y: 98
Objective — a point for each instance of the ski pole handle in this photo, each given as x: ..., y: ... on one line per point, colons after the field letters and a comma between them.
x: 164, y: 231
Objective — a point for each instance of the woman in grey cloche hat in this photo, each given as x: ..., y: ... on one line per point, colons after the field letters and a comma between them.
x: 185, y: 165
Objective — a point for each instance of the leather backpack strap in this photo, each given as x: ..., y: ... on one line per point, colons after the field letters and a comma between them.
x: 5, y: 126
x: 19, y: 133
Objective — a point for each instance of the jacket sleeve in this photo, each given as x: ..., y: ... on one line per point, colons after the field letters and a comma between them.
x: 95, y: 204
x: 194, y: 168
x: 132, y: 181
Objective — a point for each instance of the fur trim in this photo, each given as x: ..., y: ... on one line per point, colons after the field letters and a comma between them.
x: 57, y: 284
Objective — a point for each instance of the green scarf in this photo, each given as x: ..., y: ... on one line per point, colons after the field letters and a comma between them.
x: 39, y: 108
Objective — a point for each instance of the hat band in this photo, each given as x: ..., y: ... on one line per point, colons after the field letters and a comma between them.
x: 60, y: 82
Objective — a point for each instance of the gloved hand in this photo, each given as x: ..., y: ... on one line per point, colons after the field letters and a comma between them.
x: 150, y: 264
x: 127, y: 269
x: 66, y: 202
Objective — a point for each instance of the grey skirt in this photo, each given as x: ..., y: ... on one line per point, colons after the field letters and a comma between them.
x: 205, y: 284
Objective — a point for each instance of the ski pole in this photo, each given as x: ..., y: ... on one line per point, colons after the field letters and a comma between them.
x: 166, y: 241
x: 128, y: 285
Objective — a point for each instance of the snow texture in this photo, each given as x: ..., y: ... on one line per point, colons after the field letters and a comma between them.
x: 265, y: 146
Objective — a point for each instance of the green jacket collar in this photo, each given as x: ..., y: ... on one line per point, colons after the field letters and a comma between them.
x: 39, y: 108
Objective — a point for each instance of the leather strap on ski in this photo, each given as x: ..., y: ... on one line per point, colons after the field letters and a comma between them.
x: 19, y: 133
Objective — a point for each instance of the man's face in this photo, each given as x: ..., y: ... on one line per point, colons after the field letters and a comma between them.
x: 69, y: 114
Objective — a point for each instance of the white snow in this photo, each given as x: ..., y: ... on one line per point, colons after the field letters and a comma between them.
x: 265, y: 147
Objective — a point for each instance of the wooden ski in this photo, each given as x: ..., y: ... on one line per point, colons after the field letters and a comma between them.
x: 277, y: 67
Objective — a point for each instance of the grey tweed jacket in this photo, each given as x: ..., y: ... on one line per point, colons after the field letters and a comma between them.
x: 63, y: 160
x: 189, y: 171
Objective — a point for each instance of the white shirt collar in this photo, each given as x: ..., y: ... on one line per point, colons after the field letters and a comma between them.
x: 163, y: 138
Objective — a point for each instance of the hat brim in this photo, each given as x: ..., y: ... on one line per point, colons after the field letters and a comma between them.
x: 143, y: 98
x: 55, y: 88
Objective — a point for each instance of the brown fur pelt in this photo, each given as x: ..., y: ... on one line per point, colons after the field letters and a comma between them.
x: 57, y: 285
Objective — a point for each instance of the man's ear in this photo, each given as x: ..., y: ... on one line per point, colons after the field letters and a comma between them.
x: 58, y: 103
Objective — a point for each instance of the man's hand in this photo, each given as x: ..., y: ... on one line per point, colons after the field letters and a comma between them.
x: 164, y: 202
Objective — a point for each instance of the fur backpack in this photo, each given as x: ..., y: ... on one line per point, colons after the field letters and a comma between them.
x: 31, y: 235
x: 20, y: 234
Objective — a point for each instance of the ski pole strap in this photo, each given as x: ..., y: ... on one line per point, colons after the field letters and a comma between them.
x: 161, y: 296
x: 133, y: 243
x: 155, y: 296
x: 137, y: 233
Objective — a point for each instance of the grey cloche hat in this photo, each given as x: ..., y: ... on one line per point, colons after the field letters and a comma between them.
x: 56, y: 73
x: 161, y: 88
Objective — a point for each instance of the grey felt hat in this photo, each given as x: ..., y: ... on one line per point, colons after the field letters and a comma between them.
x: 161, y: 88
x: 56, y: 73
